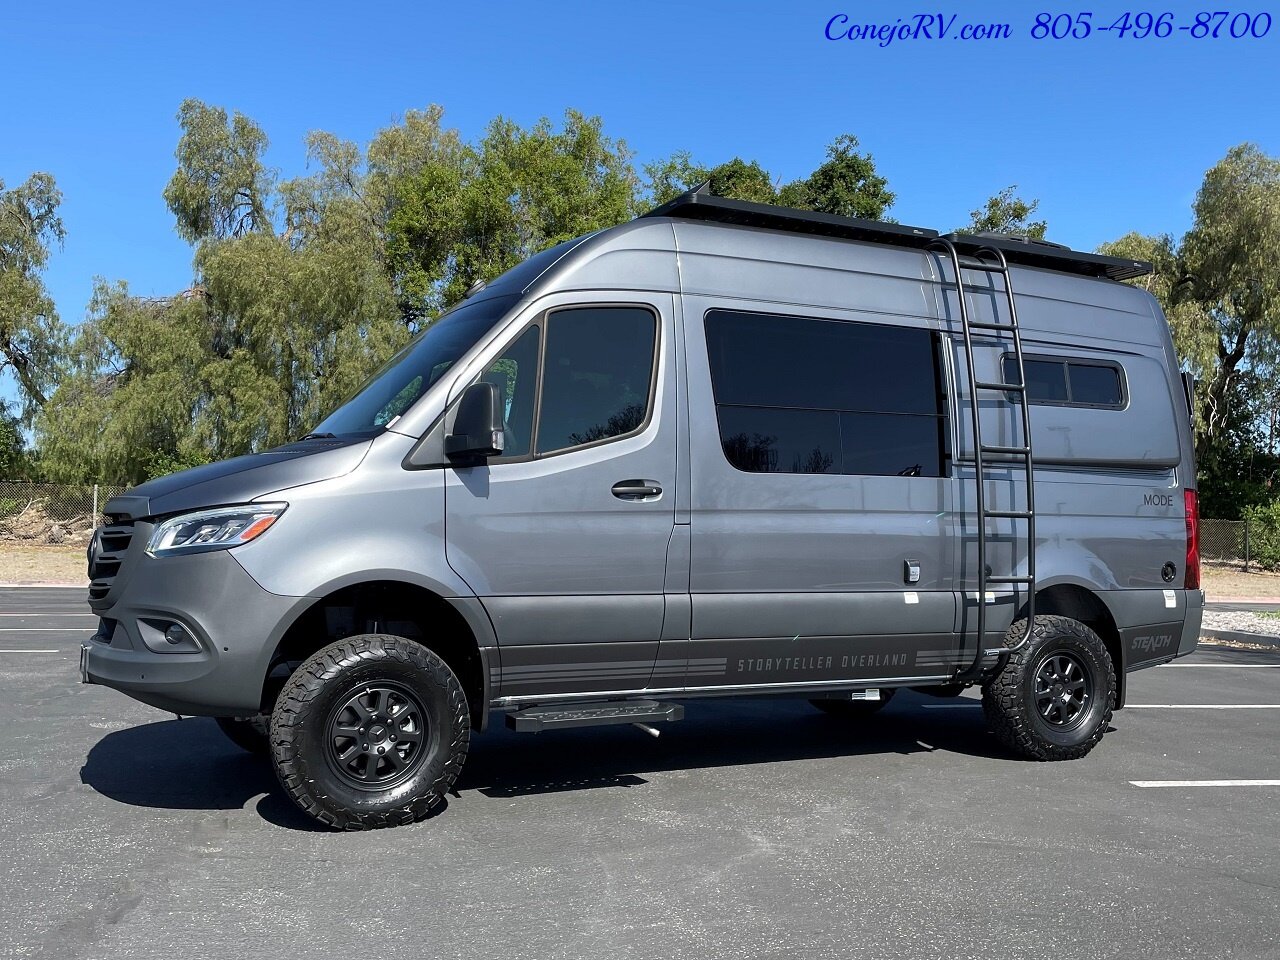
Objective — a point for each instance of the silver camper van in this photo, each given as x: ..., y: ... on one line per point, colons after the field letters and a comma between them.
x: 723, y: 449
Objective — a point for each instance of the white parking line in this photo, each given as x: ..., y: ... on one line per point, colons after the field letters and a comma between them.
x: 973, y: 704
x: 1202, y: 706
x: 31, y: 651
x: 1228, y: 666
x: 40, y: 629
x: 47, y: 613
x: 1205, y: 783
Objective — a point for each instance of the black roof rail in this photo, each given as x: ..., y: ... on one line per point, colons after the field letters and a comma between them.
x: 701, y: 204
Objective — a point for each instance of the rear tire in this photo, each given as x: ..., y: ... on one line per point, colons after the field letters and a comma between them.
x: 248, y: 733
x: 853, y: 709
x: 1053, y: 697
x: 370, y: 732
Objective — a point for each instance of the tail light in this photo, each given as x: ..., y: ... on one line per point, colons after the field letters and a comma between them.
x: 1192, y: 579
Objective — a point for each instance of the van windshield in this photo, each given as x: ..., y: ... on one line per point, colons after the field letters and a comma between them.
x: 399, y: 382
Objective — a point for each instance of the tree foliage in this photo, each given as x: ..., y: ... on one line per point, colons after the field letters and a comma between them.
x: 14, y: 461
x: 1006, y: 212
x: 846, y: 184
x: 460, y: 212
x: 221, y: 187
x: 1220, y: 284
x: 277, y: 329
x: 31, y: 336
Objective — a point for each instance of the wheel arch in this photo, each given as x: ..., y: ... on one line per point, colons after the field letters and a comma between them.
x: 457, y: 629
x: 1074, y: 600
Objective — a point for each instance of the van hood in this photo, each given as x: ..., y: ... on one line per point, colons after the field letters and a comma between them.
x: 241, y: 479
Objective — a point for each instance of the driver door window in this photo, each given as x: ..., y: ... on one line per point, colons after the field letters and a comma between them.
x: 591, y: 381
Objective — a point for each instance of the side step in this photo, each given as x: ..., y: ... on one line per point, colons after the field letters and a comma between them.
x: 559, y: 717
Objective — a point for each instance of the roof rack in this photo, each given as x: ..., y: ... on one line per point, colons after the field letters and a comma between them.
x: 701, y: 204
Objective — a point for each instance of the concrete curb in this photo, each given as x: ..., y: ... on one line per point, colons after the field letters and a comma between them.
x: 1217, y: 599
x: 1240, y: 636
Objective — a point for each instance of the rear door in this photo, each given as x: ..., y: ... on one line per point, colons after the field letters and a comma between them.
x: 564, y: 538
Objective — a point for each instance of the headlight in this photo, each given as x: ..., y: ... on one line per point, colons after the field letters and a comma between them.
x: 213, y: 529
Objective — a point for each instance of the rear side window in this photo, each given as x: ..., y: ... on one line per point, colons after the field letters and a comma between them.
x: 803, y: 395
x: 1074, y: 383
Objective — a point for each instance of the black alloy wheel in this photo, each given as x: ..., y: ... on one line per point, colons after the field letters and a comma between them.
x: 1063, y: 690
x: 377, y: 736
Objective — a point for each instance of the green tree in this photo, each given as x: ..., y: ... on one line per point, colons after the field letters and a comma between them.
x: 278, y: 328
x: 221, y: 187
x: 1220, y: 285
x: 846, y: 184
x: 673, y: 175
x: 1238, y: 469
x: 14, y: 461
x: 461, y: 212
x: 1006, y: 212
x: 31, y: 336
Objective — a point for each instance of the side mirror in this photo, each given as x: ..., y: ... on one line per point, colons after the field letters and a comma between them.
x: 477, y: 428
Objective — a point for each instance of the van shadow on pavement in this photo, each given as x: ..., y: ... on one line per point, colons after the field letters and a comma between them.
x: 190, y: 765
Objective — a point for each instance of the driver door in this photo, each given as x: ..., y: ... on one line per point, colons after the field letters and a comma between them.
x: 564, y: 537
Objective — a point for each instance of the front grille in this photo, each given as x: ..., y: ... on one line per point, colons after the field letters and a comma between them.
x: 107, y: 550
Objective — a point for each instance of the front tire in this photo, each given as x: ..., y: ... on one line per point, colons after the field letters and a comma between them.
x: 370, y: 732
x: 1053, y: 697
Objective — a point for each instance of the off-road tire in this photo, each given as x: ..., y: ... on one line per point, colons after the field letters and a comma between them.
x: 303, y: 747
x: 853, y: 709
x: 1009, y: 699
x: 248, y: 733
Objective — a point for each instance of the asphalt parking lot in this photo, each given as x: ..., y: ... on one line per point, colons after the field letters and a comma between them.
x: 751, y: 829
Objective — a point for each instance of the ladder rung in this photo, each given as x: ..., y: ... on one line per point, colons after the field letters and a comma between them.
x: 973, y: 263
x: 1008, y: 514
x: 1010, y: 580
x: 1004, y: 387
x: 996, y: 448
x: 984, y: 325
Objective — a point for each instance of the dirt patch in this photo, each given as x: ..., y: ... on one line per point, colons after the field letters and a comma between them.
x: 42, y: 563
x: 34, y: 524
x: 1229, y: 580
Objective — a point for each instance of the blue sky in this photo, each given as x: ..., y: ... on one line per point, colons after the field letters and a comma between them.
x: 1112, y: 134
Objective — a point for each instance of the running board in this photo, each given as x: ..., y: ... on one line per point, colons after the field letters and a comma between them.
x: 549, y: 717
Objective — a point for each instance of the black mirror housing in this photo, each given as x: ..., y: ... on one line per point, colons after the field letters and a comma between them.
x: 478, y: 427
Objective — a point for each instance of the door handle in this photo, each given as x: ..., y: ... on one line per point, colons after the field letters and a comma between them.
x: 637, y: 489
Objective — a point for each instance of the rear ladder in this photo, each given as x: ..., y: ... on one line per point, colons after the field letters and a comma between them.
x: 986, y: 457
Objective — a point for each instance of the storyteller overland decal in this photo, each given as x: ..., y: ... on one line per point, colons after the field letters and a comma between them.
x: 793, y: 664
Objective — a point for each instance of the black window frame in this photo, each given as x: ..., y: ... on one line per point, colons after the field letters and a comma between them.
x: 942, y: 418
x: 541, y: 321
x: 1066, y: 363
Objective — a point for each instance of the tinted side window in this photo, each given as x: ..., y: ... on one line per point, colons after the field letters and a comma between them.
x: 597, y: 375
x: 1068, y: 382
x: 1094, y: 384
x: 1045, y: 380
x: 801, y: 395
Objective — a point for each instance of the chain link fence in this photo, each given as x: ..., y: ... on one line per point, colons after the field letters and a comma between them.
x: 1225, y: 540
x: 51, y: 512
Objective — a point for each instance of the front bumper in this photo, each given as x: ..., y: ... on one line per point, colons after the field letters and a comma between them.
x: 233, y: 627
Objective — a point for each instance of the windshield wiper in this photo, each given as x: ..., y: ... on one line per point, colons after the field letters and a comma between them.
x: 320, y: 436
